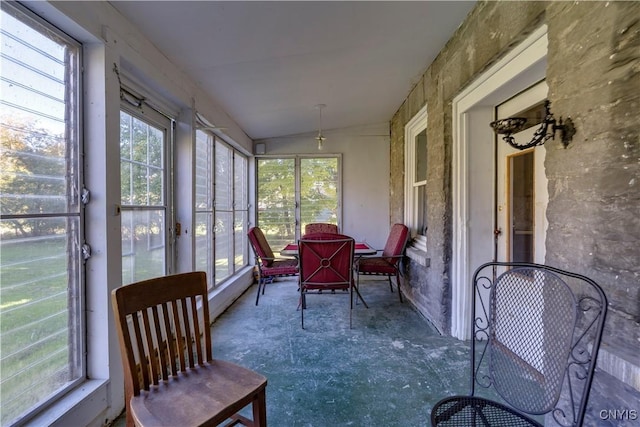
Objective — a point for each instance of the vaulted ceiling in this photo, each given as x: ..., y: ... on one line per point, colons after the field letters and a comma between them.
x: 269, y: 63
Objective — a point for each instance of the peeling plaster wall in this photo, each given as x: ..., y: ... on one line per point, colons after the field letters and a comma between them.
x: 593, y: 73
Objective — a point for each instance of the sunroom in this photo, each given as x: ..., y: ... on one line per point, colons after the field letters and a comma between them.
x: 142, y: 139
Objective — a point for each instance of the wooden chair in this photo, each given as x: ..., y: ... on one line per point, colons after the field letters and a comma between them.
x: 387, y: 263
x: 320, y: 227
x: 326, y: 264
x: 536, y: 331
x: 269, y: 267
x: 171, y: 378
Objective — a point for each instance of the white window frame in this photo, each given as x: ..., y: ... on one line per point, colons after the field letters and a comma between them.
x: 238, y: 245
x: 157, y: 119
x: 297, y: 186
x: 412, y: 129
x: 73, y: 263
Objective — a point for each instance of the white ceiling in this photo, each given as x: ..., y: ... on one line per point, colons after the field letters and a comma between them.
x: 268, y: 63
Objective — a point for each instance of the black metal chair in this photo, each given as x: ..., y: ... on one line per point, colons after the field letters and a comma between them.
x: 536, y: 332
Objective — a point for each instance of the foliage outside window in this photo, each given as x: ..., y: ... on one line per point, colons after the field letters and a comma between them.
x: 42, y: 327
x: 293, y: 192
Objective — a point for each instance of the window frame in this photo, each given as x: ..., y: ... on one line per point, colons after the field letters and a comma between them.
x: 238, y: 255
x: 165, y: 123
x: 414, y: 208
x: 297, y: 166
x: 77, y: 195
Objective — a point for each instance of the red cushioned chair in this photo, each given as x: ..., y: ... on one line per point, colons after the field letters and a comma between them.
x: 269, y: 267
x: 387, y: 263
x: 320, y: 227
x: 326, y: 264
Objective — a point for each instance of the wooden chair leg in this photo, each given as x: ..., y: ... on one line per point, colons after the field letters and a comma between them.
x: 260, y: 410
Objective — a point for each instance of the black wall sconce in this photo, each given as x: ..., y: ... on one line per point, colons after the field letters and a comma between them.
x: 547, y: 129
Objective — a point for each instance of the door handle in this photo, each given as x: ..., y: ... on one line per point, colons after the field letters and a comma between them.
x: 497, y: 232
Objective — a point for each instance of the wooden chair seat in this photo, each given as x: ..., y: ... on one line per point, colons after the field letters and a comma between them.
x: 190, y: 398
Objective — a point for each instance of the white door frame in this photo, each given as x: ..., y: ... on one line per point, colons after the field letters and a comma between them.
x: 474, y: 165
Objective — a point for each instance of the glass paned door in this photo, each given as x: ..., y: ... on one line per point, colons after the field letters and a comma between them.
x: 319, y: 190
x: 276, y: 200
x: 522, y: 198
x: 521, y: 184
x: 293, y: 192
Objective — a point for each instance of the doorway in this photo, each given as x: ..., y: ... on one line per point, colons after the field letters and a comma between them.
x: 475, y: 161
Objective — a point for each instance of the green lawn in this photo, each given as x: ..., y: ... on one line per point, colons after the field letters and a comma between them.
x: 34, y: 322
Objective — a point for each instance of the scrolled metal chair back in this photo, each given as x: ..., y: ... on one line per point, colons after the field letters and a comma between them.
x: 536, y: 330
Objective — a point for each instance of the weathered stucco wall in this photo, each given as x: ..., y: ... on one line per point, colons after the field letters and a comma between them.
x: 593, y: 73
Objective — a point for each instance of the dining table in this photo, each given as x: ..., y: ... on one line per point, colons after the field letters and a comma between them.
x: 359, y: 249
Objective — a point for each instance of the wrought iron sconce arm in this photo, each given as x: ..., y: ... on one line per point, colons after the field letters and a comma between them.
x: 547, y: 129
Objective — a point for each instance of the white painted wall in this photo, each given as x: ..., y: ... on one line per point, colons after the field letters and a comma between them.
x: 365, y: 175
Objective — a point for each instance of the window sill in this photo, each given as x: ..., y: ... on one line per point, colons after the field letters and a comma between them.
x: 418, y: 256
x: 79, y: 407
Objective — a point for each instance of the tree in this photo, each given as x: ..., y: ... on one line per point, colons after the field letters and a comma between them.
x: 34, y: 165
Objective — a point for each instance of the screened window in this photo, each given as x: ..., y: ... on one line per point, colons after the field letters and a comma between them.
x: 144, y: 188
x: 41, y: 322
x: 221, y: 208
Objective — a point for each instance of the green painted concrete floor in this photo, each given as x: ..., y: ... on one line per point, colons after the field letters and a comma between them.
x: 388, y: 370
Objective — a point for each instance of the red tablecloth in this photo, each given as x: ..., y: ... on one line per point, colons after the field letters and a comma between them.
x: 294, y: 247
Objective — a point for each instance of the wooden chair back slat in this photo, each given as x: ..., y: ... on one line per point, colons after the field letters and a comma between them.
x: 196, y: 330
x: 140, y: 358
x: 179, y: 337
x: 188, y: 343
x: 149, y: 351
x: 161, y: 342
x: 168, y: 336
x: 171, y: 342
x: 162, y: 331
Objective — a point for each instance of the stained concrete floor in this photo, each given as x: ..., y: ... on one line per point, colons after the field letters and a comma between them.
x: 388, y: 370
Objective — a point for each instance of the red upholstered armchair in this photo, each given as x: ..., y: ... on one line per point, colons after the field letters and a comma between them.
x: 320, y: 227
x: 388, y: 261
x: 269, y: 266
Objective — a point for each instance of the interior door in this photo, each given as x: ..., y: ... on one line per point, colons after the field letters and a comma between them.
x: 521, y: 181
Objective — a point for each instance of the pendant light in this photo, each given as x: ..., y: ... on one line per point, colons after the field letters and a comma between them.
x: 320, y: 138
